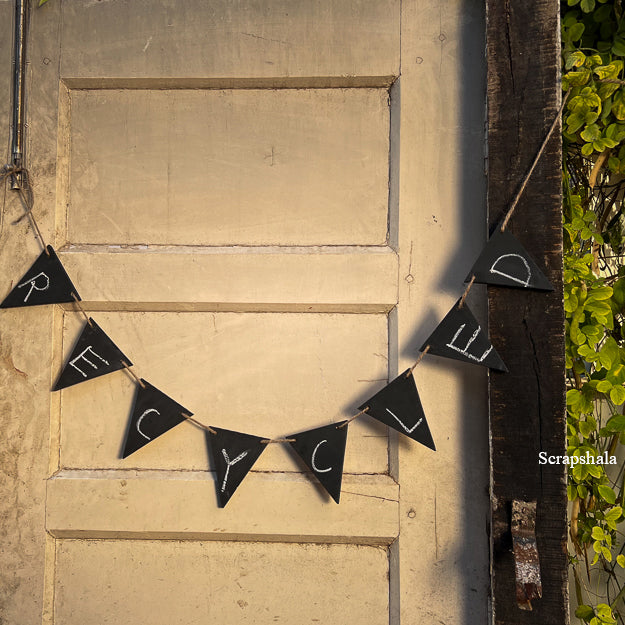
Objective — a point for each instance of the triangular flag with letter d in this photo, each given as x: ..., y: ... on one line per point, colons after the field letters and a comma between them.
x: 505, y: 262
x: 93, y: 355
x: 233, y: 454
x: 46, y: 282
x: 323, y: 451
x: 398, y: 405
x: 153, y: 414
x: 460, y: 336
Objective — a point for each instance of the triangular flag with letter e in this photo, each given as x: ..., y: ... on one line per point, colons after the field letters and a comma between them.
x: 460, y: 336
x: 398, y: 405
x: 323, y: 451
x: 46, y: 282
x: 505, y: 262
x: 153, y: 414
x: 93, y: 355
x: 233, y: 454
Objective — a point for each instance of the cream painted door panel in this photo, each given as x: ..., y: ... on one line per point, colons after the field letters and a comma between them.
x: 254, y: 200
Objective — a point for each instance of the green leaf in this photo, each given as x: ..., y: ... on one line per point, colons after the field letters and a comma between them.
x: 575, y: 32
x: 584, y: 612
x: 587, y: 428
x: 600, y: 307
x: 600, y: 293
x: 620, y: 559
x: 595, y: 470
x: 604, y: 610
x: 591, y: 133
x: 577, y: 59
x: 607, y: 494
x: 587, y: 6
x: 571, y: 302
x: 603, y: 13
x: 618, y: 47
x: 42, y: 2
x: 604, y: 386
x: 579, y: 77
x: 614, y: 514
x: 571, y: 492
x: 617, y: 395
x: 618, y: 103
x: 616, y: 423
x: 587, y: 149
x: 618, y: 293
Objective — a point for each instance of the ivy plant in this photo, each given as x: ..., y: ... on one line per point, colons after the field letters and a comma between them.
x: 593, y: 129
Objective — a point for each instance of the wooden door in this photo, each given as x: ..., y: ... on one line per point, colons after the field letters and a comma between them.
x: 264, y: 205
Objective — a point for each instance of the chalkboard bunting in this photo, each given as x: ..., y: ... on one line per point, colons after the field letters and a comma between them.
x: 398, y: 405
x: 234, y: 454
x: 323, y: 451
x: 505, y: 262
x: 460, y: 336
x: 94, y: 355
x: 153, y: 414
x: 46, y: 282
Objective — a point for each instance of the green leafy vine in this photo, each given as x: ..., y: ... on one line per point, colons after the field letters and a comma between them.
x: 593, y: 51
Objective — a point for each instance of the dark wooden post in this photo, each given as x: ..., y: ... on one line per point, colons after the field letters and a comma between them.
x: 527, y: 413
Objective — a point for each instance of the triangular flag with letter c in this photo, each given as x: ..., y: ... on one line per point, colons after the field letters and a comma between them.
x: 323, y: 451
x: 153, y: 414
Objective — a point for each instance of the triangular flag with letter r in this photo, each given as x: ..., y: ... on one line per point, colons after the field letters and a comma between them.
x: 46, y: 282
x: 460, y: 336
x: 153, y: 414
x: 323, y: 451
x: 234, y: 454
x: 398, y: 405
x: 93, y: 355
x: 505, y: 262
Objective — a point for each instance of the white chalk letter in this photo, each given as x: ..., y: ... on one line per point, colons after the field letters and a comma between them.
x: 147, y: 412
x: 314, y: 464
x: 83, y: 357
x: 507, y: 275
x: 409, y: 430
x: 239, y: 457
x: 33, y: 285
x: 465, y: 350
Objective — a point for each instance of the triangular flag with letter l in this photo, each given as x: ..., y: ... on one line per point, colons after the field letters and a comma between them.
x: 505, y: 262
x: 153, y: 414
x: 233, y: 454
x: 398, y: 405
x: 460, y: 336
x: 323, y: 451
x: 93, y: 355
x: 46, y: 282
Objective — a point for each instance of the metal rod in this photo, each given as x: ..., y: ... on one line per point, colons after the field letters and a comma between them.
x: 19, y: 73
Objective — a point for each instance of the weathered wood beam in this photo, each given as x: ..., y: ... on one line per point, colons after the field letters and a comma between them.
x: 527, y: 411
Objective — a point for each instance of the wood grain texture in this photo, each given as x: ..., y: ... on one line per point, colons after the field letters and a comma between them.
x: 527, y: 328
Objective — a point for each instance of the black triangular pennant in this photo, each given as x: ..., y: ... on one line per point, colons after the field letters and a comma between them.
x: 460, y: 336
x: 505, y: 262
x: 323, y: 451
x: 93, y: 355
x: 399, y: 406
x: 152, y: 415
x: 233, y: 454
x: 46, y: 282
